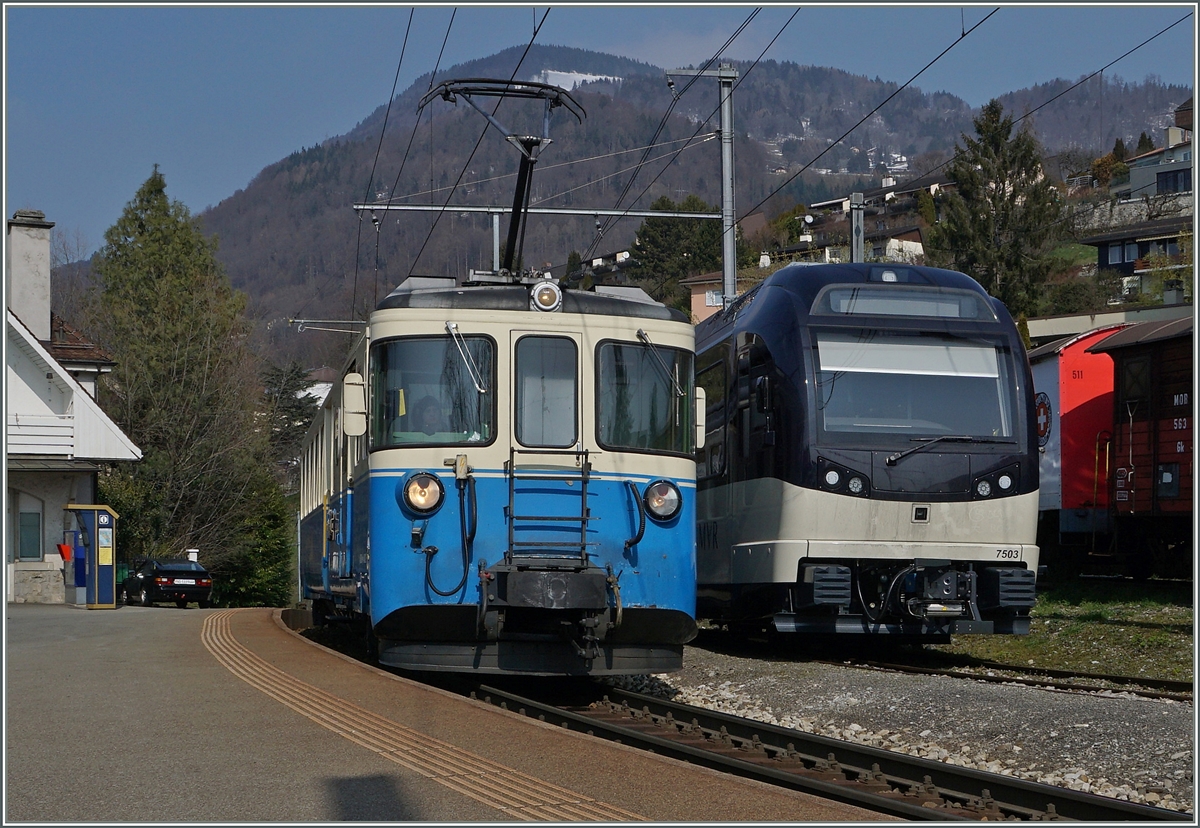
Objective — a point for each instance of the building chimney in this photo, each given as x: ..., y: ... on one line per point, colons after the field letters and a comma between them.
x: 27, y: 270
x: 1174, y: 136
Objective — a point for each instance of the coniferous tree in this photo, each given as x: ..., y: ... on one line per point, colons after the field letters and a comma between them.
x: 1145, y: 144
x: 289, y: 412
x: 1118, y: 151
x: 670, y: 249
x: 1000, y: 221
x: 185, y: 390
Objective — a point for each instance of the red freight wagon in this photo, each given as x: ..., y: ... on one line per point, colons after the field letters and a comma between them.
x: 1074, y: 405
x: 1152, y: 463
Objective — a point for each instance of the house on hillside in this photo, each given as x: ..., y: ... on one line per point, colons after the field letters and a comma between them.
x: 56, y: 435
x: 892, y: 197
x: 1164, y: 171
x: 1129, y: 249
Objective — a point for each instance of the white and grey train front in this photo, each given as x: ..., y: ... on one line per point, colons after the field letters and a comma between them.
x: 870, y: 458
x: 521, y: 495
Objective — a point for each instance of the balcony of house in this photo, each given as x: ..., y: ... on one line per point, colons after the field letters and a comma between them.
x: 41, y: 434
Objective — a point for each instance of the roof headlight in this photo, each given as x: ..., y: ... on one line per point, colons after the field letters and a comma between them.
x: 662, y: 500
x: 423, y: 493
x: 545, y: 297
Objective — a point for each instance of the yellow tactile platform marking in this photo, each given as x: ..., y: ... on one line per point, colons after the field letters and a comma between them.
x: 505, y: 789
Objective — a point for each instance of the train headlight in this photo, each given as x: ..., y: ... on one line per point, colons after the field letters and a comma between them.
x: 832, y: 478
x: 855, y: 485
x: 423, y: 493
x: 1005, y: 482
x: 545, y: 297
x: 662, y: 500
x: 983, y: 488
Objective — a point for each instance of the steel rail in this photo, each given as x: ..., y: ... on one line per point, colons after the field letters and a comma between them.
x: 664, y: 745
x: 880, y: 780
x: 1163, y: 688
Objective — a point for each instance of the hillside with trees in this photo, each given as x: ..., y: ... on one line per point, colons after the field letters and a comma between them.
x: 293, y: 243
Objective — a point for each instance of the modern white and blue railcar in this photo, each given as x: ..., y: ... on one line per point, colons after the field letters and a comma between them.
x: 871, y: 462
x: 504, y: 481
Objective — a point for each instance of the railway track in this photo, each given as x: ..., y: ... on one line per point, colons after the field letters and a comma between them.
x: 997, y: 673
x: 883, y: 781
x: 927, y: 663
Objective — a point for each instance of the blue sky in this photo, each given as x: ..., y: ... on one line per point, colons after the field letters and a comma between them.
x: 95, y: 96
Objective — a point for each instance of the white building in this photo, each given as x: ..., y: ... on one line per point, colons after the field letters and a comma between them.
x: 56, y: 436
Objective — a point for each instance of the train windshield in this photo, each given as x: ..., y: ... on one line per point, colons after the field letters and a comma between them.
x: 913, y: 385
x: 432, y: 390
x: 644, y: 398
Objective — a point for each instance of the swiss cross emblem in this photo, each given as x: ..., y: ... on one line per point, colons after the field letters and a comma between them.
x: 1041, y: 407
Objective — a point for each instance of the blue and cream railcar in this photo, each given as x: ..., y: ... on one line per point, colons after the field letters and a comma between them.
x: 504, y: 481
x: 870, y: 464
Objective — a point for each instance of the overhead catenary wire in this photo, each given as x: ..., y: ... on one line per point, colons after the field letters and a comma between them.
x: 607, y: 224
x: 417, y: 121
x: 675, y: 154
x: 866, y: 117
x: 1079, y: 83
x: 704, y: 123
x: 548, y: 167
x: 371, y: 179
x: 1091, y: 207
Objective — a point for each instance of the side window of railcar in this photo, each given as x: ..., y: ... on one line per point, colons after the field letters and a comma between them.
x: 644, y: 398
x: 710, y: 460
x: 547, y: 392
x: 432, y: 389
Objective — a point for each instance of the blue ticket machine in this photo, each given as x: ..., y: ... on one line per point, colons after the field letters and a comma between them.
x: 98, y: 532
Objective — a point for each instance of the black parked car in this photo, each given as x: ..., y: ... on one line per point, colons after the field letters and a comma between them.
x: 157, y: 581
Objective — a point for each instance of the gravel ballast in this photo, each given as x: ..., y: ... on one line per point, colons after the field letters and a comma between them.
x: 1110, y: 743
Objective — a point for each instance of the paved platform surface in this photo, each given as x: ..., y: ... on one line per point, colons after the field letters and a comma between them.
x: 165, y: 715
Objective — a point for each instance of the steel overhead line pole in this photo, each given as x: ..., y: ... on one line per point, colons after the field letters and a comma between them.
x: 496, y: 212
x: 725, y: 74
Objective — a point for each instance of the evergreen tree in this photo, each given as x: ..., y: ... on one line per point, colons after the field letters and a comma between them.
x: 185, y: 389
x: 1145, y: 144
x: 289, y: 412
x: 1118, y: 151
x: 1000, y: 221
x: 670, y: 249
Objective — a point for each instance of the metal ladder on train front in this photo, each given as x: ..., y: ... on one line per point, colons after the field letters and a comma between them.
x: 531, y: 548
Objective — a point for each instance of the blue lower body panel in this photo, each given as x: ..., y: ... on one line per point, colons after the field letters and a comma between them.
x: 562, y: 590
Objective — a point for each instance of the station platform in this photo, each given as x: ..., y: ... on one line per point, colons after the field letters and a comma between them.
x: 165, y: 715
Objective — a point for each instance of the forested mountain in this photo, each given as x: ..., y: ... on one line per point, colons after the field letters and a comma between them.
x: 292, y: 241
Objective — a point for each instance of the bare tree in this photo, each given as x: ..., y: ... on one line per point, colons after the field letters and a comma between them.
x: 70, y: 273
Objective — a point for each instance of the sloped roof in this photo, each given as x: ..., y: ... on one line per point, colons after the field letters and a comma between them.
x: 1142, y: 230
x: 1144, y: 333
x: 1060, y: 345
x: 96, y: 436
x: 68, y: 345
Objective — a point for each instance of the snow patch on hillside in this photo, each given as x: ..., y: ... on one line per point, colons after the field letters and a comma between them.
x: 570, y: 80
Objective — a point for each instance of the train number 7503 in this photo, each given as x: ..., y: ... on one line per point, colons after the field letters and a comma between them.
x: 1008, y: 554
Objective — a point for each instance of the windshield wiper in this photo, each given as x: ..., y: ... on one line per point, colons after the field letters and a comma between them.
x: 645, y: 337
x: 948, y: 438
x: 472, y: 369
